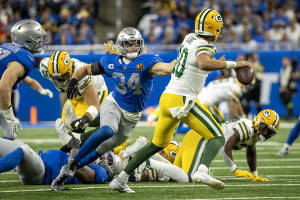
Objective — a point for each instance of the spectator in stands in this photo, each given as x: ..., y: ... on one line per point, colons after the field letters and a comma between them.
x: 248, y: 42
x: 259, y: 35
x: 168, y: 5
x: 145, y: 21
x: 277, y: 33
x: 185, y: 30
x: 293, y: 31
x: 63, y: 37
x: 287, y: 86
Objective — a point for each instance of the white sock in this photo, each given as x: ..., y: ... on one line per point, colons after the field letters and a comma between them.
x: 160, y: 158
x: 169, y: 170
x: 202, y: 169
x: 123, y: 175
x: 287, y: 146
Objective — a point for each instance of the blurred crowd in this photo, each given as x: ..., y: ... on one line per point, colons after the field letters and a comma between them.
x: 67, y: 22
x: 245, y: 21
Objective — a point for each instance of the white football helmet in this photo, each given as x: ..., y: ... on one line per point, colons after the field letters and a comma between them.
x: 130, y: 36
x: 112, y: 164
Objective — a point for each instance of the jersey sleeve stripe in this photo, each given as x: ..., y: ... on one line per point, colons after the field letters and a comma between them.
x: 209, y: 48
x: 243, y: 131
x: 247, y: 132
x: 211, y: 53
x: 85, y: 84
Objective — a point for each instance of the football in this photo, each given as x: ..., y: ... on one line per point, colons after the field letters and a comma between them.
x: 245, y: 75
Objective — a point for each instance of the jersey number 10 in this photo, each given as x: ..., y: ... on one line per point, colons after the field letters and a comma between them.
x: 180, y: 63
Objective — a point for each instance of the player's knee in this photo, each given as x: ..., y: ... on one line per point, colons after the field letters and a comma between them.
x: 107, y: 132
x: 10, y: 135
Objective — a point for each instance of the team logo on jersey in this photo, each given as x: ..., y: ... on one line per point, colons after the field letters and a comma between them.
x: 66, y: 60
x: 173, y: 154
x: 266, y: 113
x: 140, y: 67
x: 124, y: 68
x: 218, y: 18
x: 111, y: 66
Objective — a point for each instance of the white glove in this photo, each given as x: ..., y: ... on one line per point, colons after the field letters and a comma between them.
x: 13, y: 122
x: 46, y: 92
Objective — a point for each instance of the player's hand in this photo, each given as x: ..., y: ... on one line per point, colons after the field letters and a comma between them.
x: 241, y: 173
x: 72, y: 90
x: 222, y: 58
x: 14, y: 124
x: 256, y: 178
x: 46, y: 92
x: 80, y: 123
x: 240, y: 64
x: 73, y: 143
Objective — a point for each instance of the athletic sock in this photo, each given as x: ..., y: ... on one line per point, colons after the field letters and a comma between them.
x: 168, y: 170
x: 89, y: 159
x: 86, y: 135
x: 142, y: 155
x: 11, y: 160
x: 93, y: 142
x: 211, y: 149
x: 294, y: 134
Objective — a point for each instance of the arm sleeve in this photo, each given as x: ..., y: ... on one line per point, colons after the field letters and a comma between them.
x: 225, y: 157
x: 97, y: 69
x: 27, y: 61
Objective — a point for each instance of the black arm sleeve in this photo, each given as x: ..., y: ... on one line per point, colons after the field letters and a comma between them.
x: 38, y: 61
x: 97, y: 68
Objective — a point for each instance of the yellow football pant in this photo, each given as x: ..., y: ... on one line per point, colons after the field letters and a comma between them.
x: 190, y: 153
x: 198, y: 118
x: 80, y: 106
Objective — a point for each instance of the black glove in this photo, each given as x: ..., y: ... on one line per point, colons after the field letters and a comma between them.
x: 79, y: 123
x: 73, y: 143
x: 72, y: 90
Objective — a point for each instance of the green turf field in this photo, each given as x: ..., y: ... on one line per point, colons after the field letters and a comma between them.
x: 283, y: 174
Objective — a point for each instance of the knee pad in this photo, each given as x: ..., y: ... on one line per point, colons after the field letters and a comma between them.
x: 107, y: 132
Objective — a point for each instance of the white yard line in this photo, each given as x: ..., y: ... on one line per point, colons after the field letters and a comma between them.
x: 261, y: 167
x: 252, y: 198
x: 265, y: 160
x: 158, y: 186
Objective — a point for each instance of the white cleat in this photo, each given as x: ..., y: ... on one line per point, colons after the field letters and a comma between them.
x: 70, y: 115
x: 120, y: 185
x: 131, y: 150
x: 283, y: 152
x: 208, y: 180
x: 62, y: 131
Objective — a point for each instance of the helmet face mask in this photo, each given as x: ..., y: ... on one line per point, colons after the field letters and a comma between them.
x: 265, y: 132
x: 112, y: 164
x: 130, y: 43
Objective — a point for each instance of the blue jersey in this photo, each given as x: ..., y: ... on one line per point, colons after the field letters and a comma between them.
x: 55, y: 159
x: 133, y: 82
x: 10, y: 52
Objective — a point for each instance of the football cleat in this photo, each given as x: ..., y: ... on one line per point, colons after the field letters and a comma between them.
x: 70, y: 115
x: 283, y: 152
x: 131, y: 150
x: 58, y: 183
x: 70, y: 168
x: 120, y: 185
x: 208, y: 180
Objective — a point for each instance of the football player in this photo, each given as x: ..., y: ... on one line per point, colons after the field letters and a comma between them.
x: 239, y: 134
x: 8, y: 132
x: 16, y: 61
x: 133, y: 72
x: 179, y: 101
x: 34, y: 169
x: 59, y: 69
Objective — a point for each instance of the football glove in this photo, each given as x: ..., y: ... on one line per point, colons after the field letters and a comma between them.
x: 46, y: 92
x: 241, y: 173
x: 13, y: 122
x: 256, y: 178
x: 72, y: 90
x: 80, y: 123
x: 73, y: 143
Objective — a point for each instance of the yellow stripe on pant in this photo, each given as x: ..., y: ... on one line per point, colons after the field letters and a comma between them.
x: 190, y: 153
x: 198, y: 118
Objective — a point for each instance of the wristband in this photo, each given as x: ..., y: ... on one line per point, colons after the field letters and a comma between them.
x: 233, y: 168
x: 9, y: 113
x: 230, y: 64
x: 254, y: 173
x: 93, y: 111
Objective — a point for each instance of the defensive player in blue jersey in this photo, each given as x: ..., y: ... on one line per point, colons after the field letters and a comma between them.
x: 34, y: 169
x: 16, y: 61
x: 133, y: 72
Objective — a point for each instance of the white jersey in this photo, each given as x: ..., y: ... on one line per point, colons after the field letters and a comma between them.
x: 187, y: 78
x: 98, y: 80
x: 220, y: 90
x: 248, y: 135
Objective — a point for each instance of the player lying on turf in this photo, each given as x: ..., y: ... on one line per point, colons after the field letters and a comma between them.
x: 33, y: 84
x: 34, y: 169
x: 239, y: 134
x: 133, y: 72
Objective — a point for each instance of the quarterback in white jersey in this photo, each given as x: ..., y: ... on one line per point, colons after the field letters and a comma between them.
x: 59, y: 69
x: 227, y: 89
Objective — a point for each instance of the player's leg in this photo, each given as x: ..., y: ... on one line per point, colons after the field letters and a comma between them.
x: 219, y: 117
x: 8, y: 133
x: 11, y: 155
x: 201, y: 120
x: 294, y: 134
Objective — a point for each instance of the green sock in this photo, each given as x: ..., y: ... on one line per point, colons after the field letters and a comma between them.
x: 141, y: 156
x: 211, y: 149
x: 86, y: 135
x: 95, y: 122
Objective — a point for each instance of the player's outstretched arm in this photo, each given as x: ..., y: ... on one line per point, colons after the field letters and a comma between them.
x: 205, y: 63
x: 162, y: 69
x: 33, y: 84
x: 252, y: 159
x: 226, y: 154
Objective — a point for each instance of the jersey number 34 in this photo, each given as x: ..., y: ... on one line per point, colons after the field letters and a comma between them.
x: 133, y: 83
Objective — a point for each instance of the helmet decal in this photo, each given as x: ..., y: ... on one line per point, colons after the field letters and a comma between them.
x: 218, y: 18
x: 66, y: 60
x: 266, y: 113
